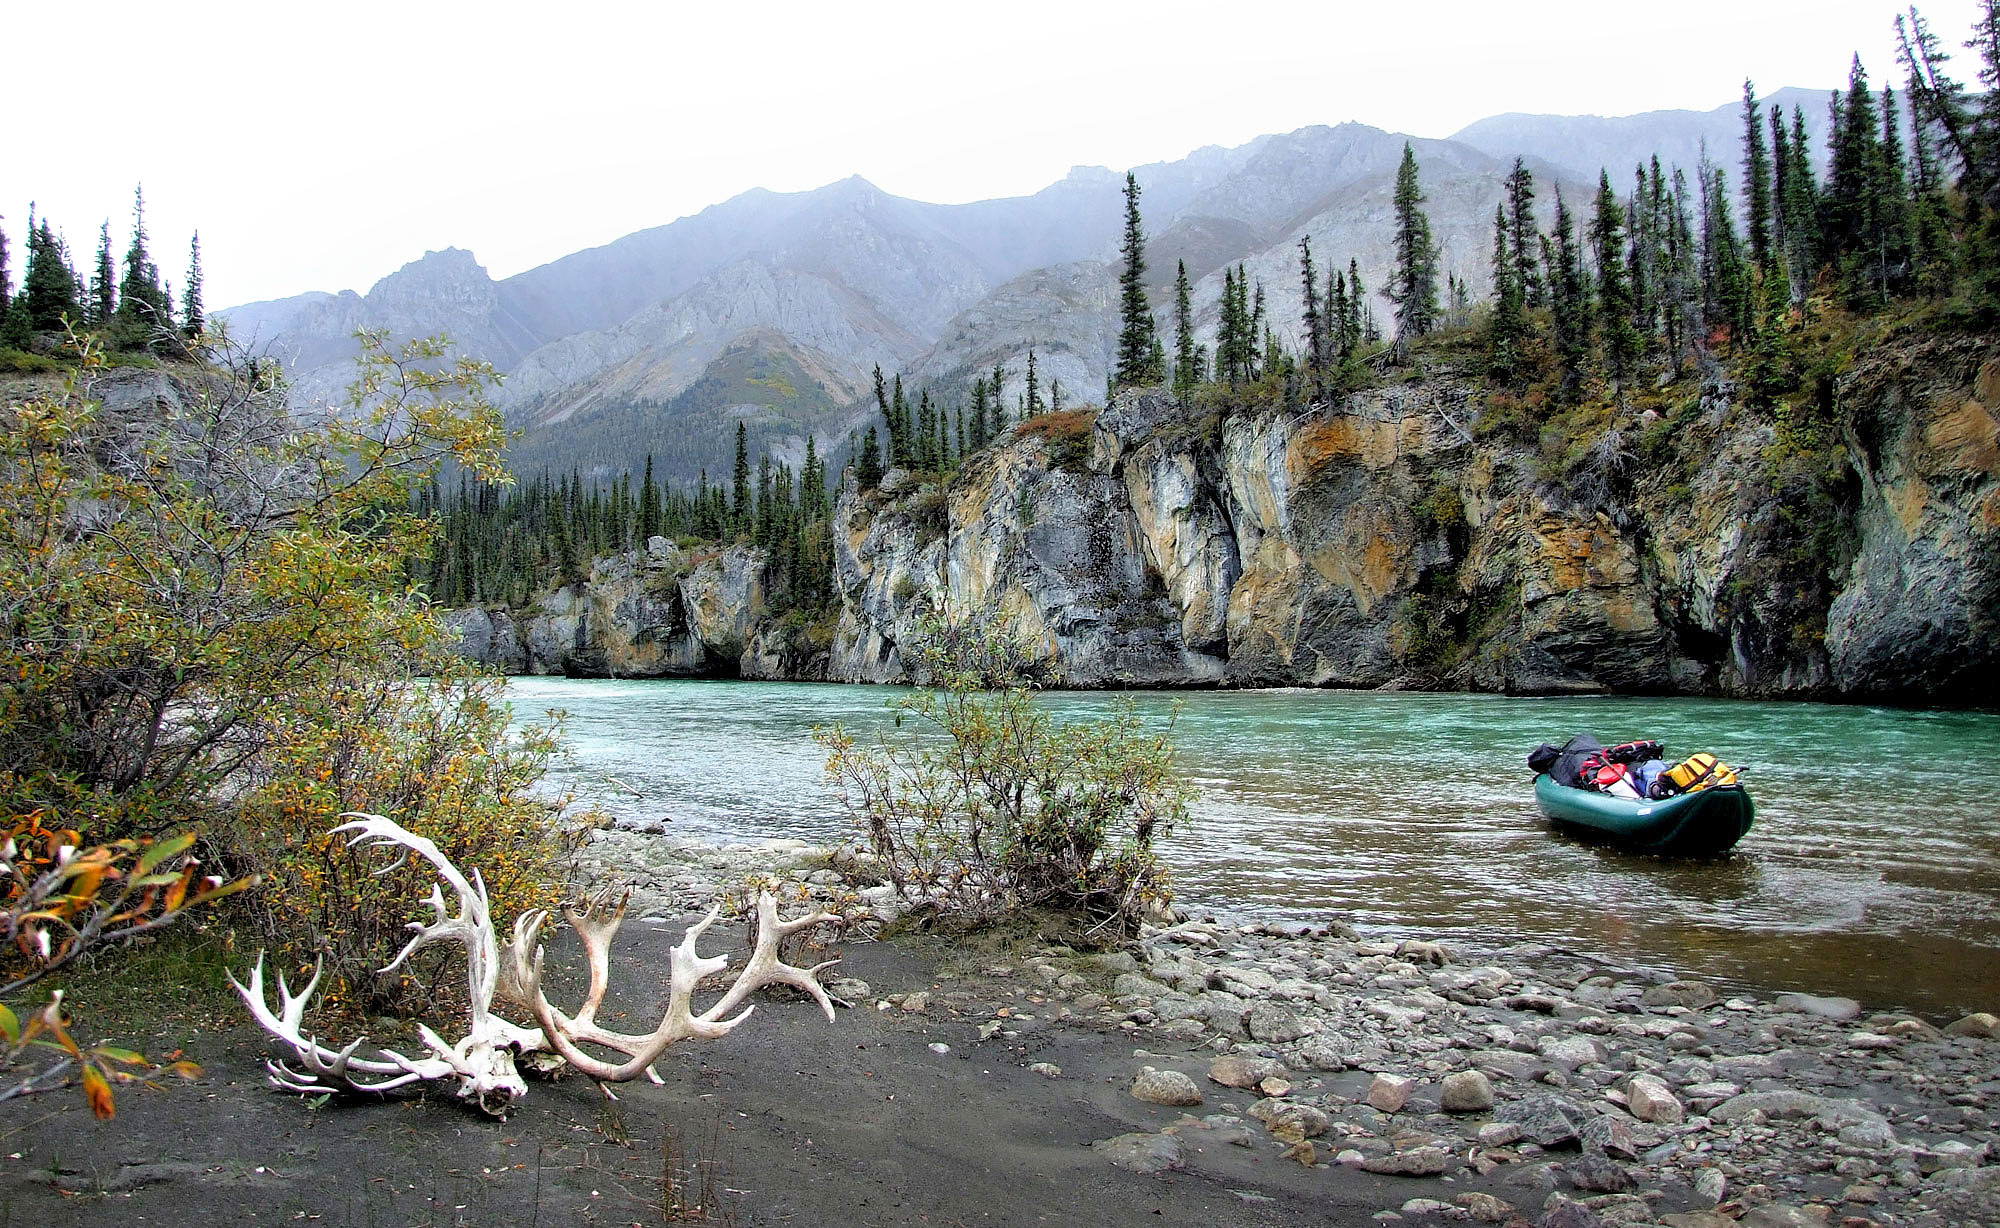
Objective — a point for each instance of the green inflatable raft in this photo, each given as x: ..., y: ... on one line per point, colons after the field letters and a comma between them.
x: 1701, y: 824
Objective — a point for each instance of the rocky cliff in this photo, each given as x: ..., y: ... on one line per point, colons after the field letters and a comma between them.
x: 658, y: 613
x: 1404, y: 535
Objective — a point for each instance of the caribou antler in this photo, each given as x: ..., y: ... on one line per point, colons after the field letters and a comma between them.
x: 687, y: 968
x: 483, y: 1062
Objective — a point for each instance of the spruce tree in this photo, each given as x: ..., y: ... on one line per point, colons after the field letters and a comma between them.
x: 1852, y: 181
x: 1032, y: 397
x: 1413, y: 284
x: 1360, y: 313
x: 1256, y: 329
x: 104, y: 283
x: 868, y: 466
x: 1508, y: 327
x: 902, y: 432
x: 1187, y: 372
x: 1522, y: 235
x: 740, y: 510
x: 981, y: 426
x: 1889, y: 239
x: 1756, y: 179
x: 13, y: 323
x: 649, y: 502
x: 1342, y: 323
x: 1726, y: 282
x: 1569, y: 297
x: 1231, y: 325
x: 144, y: 312
x: 1313, y: 320
x: 48, y: 287
x: 1642, y: 240
x: 993, y: 390
x: 1618, y: 340
x: 1801, y: 209
x: 1136, y: 340
x: 192, y: 318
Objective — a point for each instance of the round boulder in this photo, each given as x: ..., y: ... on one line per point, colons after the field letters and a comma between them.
x: 1169, y: 1087
x: 1465, y: 1092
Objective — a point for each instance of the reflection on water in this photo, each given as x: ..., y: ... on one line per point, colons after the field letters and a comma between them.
x: 1873, y: 871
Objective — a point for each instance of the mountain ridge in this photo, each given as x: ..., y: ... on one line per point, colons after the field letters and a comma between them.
x: 856, y: 277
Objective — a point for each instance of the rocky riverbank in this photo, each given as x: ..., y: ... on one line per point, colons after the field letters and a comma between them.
x: 1503, y: 1085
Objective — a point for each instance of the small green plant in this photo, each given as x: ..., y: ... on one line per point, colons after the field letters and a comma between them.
x: 991, y: 804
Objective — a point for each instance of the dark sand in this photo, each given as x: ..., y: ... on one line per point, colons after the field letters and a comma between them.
x: 854, y: 1122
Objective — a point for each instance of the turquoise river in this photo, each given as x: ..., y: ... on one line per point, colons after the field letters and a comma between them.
x: 1873, y: 871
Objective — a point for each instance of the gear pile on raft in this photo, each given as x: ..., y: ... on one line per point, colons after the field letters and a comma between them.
x: 1634, y: 794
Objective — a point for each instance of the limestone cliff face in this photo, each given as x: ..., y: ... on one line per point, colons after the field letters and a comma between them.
x: 654, y: 614
x: 1389, y: 539
x: 1920, y: 614
x: 1382, y: 541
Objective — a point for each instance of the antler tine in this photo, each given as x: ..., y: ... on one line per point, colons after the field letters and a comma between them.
x: 596, y: 933
x: 765, y: 968
x: 288, y: 1024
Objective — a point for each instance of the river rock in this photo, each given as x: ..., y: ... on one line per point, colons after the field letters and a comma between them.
x: 1321, y: 1052
x: 1979, y: 1023
x: 1506, y: 1063
x: 1544, y: 1120
x: 1692, y: 994
x: 1649, y: 1099
x: 1710, y: 1185
x: 1949, y: 1154
x: 1608, y: 1135
x: 1169, y: 1087
x: 1236, y: 1070
x: 1143, y: 1153
x: 1292, y: 1121
x: 1563, y: 1212
x: 1416, y: 1162
x: 1599, y: 1174
x: 1485, y: 1207
x: 1840, y: 1010
x: 1272, y: 1024
x: 1782, y: 1215
x: 1418, y: 952
x: 1390, y: 1093
x: 1571, y: 1050
x: 1465, y: 1092
x: 1770, y: 1104
x: 1137, y: 985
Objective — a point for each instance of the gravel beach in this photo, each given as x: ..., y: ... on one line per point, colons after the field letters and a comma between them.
x: 1212, y: 1074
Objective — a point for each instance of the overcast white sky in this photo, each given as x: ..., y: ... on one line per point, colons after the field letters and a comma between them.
x: 321, y: 146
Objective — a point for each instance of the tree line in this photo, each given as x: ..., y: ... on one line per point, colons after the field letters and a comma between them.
x: 131, y: 311
x: 1657, y: 275
x: 501, y: 544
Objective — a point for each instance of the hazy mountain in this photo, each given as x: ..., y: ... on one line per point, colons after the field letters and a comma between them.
x: 774, y: 308
x: 1582, y: 145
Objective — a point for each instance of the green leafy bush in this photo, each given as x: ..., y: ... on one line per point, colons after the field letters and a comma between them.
x: 982, y: 802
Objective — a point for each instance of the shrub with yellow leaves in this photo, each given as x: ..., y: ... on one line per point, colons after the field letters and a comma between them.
x: 208, y: 617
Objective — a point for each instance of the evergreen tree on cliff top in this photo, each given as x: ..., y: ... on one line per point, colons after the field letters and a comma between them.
x: 1137, y: 346
x: 1413, y: 286
x: 144, y: 310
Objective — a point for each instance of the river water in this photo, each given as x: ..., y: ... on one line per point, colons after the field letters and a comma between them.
x: 1873, y: 871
